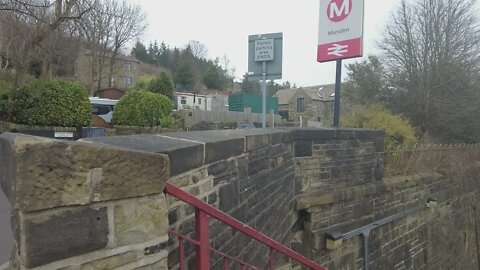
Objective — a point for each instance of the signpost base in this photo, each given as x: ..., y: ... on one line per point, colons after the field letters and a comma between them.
x: 338, y: 81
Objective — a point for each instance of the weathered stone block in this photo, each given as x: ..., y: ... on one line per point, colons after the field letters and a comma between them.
x: 300, y: 134
x: 183, y: 155
x: 112, y: 262
x: 218, y: 144
x: 217, y: 168
x: 63, y: 235
x: 52, y: 173
x: 303, y: 148
x: 228, y: 196
x: 141, y: 220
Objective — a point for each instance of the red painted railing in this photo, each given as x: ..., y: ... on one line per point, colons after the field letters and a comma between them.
x: 203, y: 250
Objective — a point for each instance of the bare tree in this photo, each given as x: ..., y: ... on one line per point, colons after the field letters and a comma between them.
x: 432, y: 49
x: 29, y: 25
x: 129, y: 23
x: 199, y: 50
x: 107, y: 28
x: 96, y: 31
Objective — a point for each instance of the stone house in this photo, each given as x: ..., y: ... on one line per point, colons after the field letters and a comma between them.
x: 125, y: 73
x: 308, y: 106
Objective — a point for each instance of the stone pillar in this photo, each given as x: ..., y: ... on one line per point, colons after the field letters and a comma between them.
x: 77, y: 205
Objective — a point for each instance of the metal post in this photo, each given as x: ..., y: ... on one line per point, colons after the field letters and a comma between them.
x: 366, y: 252
x: 338, y: 81
x: 264, y: 95
x: 201, y: 233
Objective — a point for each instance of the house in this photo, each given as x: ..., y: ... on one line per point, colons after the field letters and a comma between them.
x: 310, y: 106
x: 189, y: 101
x: 124, y: 75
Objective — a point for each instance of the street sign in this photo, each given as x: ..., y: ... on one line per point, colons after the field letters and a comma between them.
x: 265, y: 48
x: 340, y: 33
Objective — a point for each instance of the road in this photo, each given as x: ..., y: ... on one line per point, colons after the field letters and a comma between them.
x: 6, y: 238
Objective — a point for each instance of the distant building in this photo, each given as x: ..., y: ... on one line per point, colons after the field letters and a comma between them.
x: 124, y: 75
x: 189, y: 101
x: 313, y: 105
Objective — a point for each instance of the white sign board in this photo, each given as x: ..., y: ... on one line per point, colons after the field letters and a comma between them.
x: 264, y: 50
x: 340, y: 33
x: 59, y: 134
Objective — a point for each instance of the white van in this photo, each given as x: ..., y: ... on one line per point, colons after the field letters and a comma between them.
x: 103, y: 107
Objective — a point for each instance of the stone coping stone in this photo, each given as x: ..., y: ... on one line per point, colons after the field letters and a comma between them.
x: 184, y: 155
x: 333, y: 133
x: 219, y: 144
x: 189, y: 150
x: 40, y: 173
x: 257, y: 138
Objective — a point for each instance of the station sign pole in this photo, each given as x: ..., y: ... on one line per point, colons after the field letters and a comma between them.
x: 340, y: 37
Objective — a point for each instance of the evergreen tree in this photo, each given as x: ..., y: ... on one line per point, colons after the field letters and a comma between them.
x: 161, y: 85
x: 185, y: 76
x: 140, y: 52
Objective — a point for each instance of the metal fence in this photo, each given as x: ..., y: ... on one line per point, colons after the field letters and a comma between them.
x: 430, y: 158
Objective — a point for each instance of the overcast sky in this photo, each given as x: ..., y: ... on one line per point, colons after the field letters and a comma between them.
x: 223, y: 26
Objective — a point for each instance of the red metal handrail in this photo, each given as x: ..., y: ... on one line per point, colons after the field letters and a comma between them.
x: 182, y: 238
x: 203, y: 210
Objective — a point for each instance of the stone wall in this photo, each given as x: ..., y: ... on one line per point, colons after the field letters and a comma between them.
x: 246, y: 173
x: 423, y: 221
x: 99, y: 203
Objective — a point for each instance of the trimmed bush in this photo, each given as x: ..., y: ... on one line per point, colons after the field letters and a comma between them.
x: 398, y: 130
x: 142, y: 108
x: 51, y: 103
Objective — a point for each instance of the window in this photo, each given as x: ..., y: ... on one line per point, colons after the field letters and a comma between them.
x: 300, y: 105
x: 112, y: 81
x: 128, y: 66
x: 183, y: 100
x: 128, y: 80
x: 200, y: 101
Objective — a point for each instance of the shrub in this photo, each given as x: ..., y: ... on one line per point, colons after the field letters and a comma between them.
x: 141, y: 108
x: 398, y: 130
x: 51, y: 103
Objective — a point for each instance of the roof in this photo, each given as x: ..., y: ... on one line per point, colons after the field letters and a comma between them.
x: 111, y: 88
x: 319, y: 92
x: 188, y: 94
x: 284, y: 96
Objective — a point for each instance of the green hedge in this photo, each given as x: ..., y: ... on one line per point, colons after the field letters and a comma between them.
x: 51, y: 103
x: 142, y: 108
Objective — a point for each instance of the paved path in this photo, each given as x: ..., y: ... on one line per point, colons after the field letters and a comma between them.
x: 6, y: 238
